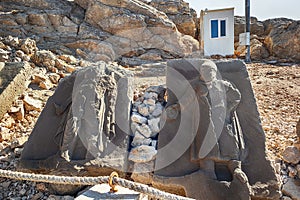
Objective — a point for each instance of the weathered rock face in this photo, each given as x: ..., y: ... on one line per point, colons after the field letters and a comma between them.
x: 179, y: 12
x: 274, y: 38
x: 97, y: 29
x: 256, y: 27
x: 283, y: 40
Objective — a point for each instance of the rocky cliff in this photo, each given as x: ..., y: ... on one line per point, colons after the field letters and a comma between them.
x: 272, y: 39
x: 129, y: 30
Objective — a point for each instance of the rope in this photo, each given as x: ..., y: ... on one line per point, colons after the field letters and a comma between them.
x: 138, y: 187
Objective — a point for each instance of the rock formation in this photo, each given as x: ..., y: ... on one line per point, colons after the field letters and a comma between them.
x: 271, y: 39
x: 98, y: 29
x: 179, y: 12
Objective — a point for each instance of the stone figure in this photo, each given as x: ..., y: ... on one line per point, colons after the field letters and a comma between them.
x: 218, y: 136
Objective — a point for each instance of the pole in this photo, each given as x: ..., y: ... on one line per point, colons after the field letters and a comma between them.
x: 247, y: 11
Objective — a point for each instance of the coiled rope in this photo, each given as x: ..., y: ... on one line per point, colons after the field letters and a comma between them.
x: 138, y: 187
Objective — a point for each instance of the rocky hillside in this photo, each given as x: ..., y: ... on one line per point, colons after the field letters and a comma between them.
x: 135, y: 31
x: 98, y: 29
x: 273, y: 39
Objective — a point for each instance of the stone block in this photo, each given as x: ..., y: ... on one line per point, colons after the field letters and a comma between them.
x: 89, y: 116
x: 14, y: 79
x: 219, y: 95
x: 103, y: 192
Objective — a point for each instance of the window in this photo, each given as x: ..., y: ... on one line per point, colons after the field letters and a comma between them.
x: 218, y: 28
x: 214, y: 29
x: 223, y: 28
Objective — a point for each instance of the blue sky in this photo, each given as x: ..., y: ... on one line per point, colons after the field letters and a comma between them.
x: 262, y: 9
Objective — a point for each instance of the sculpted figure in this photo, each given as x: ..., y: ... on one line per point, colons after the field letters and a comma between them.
x: 218, y: 136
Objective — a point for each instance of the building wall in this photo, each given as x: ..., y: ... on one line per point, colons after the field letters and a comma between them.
x: 221, y: 45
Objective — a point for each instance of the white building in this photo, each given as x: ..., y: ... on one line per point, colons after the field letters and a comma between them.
x: 217, y: 32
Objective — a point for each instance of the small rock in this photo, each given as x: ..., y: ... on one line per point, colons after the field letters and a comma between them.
x: 139, y: 140
x: 133, y: 127
x: 4, y: 134
x: 32, y: 104
x: 37, y: 196
x: 138, y: 118
x: 142, y: 154
x: 143, y: 110
x: 46, y: 85
x: 149, y: 102
x: 54, y: 78
x: 158, y: 110
x: 70, y: 68
x: 5, y: 184
x: 37, y: 78
x: 151, y: 95
x: 68, y: 58
x: 44, y: 58
x: 20, y: 54
x: 12, y: 41
x: 41, y: 187
x: 18, y: 110
x: 291, y: 188
x: 145, y: 130
x: 60, y: 64
x: 154, y: 126
x: 8, y: 122
x: 292, y: 171
x: 28, y: 46
x: 22, y: 192
x: 291, y: 155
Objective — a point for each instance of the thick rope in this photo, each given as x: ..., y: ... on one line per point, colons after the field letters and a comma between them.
x: 138, y: 187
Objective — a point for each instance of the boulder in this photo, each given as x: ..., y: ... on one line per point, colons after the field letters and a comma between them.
x: 256, y: 26
x: 283, y: 40
x: 180, y: 13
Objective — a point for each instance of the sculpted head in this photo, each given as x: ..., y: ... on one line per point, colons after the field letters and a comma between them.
x: 208, y: 71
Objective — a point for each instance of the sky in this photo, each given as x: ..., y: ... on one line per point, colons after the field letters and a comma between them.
x: 262, y: 9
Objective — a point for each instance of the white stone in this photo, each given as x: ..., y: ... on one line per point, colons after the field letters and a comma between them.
x: 32, y: 104
x: 154, y: 126
x: 133, y: 127
x: 145, y: 130
x: 142, y: 154
x: 135, y: 117
x: 139, y: 140
x: 149, y: 102
x: 103, y: 192
x: 143, y: 110
x: 158, y: 110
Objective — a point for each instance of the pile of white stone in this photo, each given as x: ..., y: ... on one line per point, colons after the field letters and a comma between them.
x: 145, y: 126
